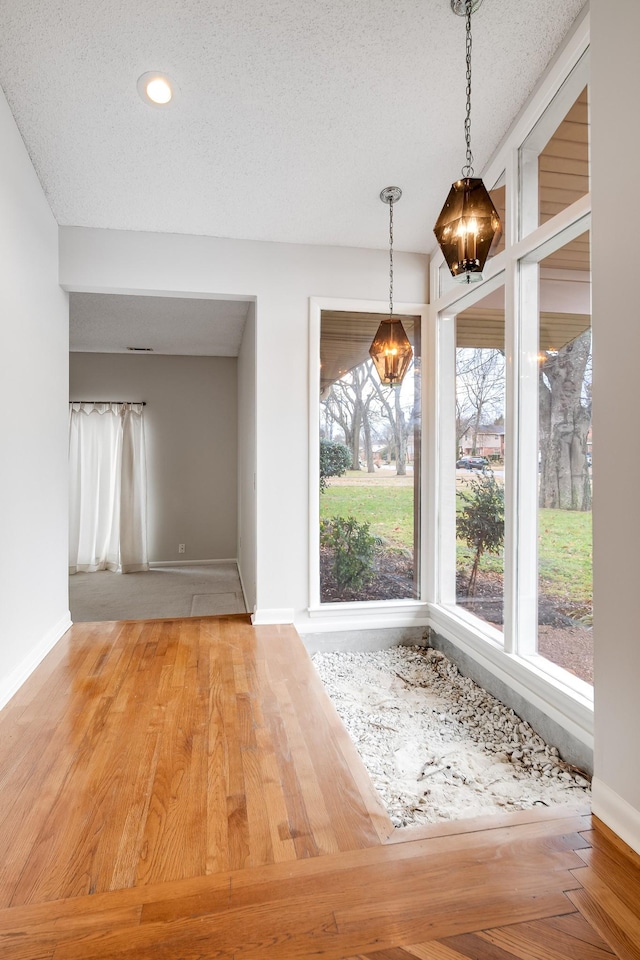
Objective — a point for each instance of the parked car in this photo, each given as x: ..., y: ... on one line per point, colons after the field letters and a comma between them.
x: 472, y: 463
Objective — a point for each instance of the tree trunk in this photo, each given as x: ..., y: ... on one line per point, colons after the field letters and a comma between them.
x: 564, y: 420
x: 473, y: 576
x: 355, y: 438
x: 368, y: 446
x: 400, y: 436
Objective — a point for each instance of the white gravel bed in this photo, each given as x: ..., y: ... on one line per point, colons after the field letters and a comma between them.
x: 436, y: 745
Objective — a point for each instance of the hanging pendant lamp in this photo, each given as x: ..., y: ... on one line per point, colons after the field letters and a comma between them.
x: 391, y: 351
x: 469, y: 222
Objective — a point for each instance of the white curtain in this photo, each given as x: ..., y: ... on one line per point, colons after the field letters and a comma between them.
x: 107, y: 488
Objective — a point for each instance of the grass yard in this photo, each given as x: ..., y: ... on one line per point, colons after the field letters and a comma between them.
x: 564, y: 538
x: 564, y: 553
x: 387, y: 510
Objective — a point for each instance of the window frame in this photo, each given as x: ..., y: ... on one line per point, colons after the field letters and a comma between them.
x: 356, y: 613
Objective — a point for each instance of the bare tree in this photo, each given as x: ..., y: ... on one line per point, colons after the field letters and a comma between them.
x: 394, y: 412
x: 479, y: 390
x: 564, y: 421
x: 348, y: 405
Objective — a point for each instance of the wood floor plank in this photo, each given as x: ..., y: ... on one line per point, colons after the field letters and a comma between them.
x: 331, y: 750
x: 579, y: 928
x: 488, y: 822
x: 173, y: 842
x: 471, y: 946
x: 618, y: 924
x: 67, y: 802
x: 217, y: 839
x: 433, y: 950
x: 538, y: 941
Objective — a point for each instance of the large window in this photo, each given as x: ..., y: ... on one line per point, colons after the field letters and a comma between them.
x: 565, y: 459
x: 480, y: 457
x: 512, y: 521
x: 369, y: 466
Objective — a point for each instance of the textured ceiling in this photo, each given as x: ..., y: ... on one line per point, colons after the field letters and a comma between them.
x: 290, y: 118
x: 109, y: 323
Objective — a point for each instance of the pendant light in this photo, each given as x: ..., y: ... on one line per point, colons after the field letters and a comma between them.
x: 469, y: 222
x: 391, y: 351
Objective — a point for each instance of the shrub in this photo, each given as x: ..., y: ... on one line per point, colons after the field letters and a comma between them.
x: 335, y: 458
x: 353, y: 548
x: 481, y: 521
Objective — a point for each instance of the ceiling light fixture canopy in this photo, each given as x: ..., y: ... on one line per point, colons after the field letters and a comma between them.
x: 468, y: 223
x: 391, y: 351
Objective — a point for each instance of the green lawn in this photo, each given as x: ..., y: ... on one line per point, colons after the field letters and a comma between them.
x: 564, y: 540
x: 564, y: 546
x: 388, y: 510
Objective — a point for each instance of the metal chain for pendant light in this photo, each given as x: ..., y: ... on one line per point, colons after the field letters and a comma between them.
x: 467, y: 170
x: 390, y: 259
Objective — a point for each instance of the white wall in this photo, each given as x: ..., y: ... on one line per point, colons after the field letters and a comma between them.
x: 616, y: 332
x: 34, y: 608
x: 281, y: 277
x: 190, y: 432
x: 247, y: 467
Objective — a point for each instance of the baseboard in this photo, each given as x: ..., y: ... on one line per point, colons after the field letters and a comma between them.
x: 272, y: 615
x: 189, y: 563
x: 10, y: 685
x: 244, y: 592
x: 616, y: 813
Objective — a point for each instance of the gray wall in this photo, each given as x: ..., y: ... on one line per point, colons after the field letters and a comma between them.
x: 191, y: 439
x: 34, y: 324
x: 616, y: 467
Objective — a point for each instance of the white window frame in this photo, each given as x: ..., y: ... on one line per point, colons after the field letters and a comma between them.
x: 511, y: 658
x: 353, y: 615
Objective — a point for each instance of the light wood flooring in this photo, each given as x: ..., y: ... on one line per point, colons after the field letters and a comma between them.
x: 183, y: 789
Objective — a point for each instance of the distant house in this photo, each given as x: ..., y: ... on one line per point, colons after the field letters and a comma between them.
x: 489, y: 442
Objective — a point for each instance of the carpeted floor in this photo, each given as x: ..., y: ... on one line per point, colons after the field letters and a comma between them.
x: 193, y: 590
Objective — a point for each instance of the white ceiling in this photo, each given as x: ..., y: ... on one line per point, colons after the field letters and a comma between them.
x: 109, y: 323
x: 292, y: 115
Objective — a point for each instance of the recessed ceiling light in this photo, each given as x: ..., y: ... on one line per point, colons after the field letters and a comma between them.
x: 156, y: 88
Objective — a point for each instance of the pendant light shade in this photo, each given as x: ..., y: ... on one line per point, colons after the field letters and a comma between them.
x: 469, y: 222
x: 466, y: 229
x: 391, y: 351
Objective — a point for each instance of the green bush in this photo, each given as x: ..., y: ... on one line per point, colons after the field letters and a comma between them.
x: 353, y: 548
x: 335, y: 458
x: 481, y: 521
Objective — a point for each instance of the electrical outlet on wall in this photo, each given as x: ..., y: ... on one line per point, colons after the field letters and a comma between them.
x: 181, y: 548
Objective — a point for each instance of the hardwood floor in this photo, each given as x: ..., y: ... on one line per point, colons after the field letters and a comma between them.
x: 183, y: 789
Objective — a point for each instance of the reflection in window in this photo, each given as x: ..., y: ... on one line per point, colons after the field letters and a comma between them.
x: 554, y: 159
x: 565, y: 436
x: 370, y: 466
x: 480, y: 449
x: 563, y: 165
x: 498, y: 197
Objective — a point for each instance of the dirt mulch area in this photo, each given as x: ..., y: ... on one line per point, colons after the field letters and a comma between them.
x: 392, y: 579
x: 562, y: 638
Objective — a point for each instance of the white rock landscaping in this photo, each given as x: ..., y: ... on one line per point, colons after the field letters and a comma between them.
x: 436, y: 745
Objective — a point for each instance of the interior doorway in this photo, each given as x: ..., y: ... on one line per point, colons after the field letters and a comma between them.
x: 190, y: 359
